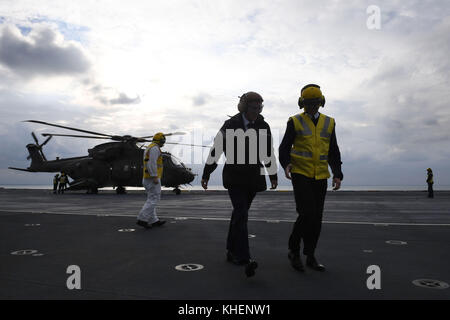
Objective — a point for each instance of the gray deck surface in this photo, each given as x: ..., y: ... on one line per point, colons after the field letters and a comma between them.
x: 80, y: 229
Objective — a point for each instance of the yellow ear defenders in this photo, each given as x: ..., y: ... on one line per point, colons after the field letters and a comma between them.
x: 311, y: 94
x: 246, y: 98
x: 159, y: 138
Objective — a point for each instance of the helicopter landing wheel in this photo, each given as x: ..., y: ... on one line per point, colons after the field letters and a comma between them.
x: 121, y: 190
x: 177, y: 191
x: 92, y: 190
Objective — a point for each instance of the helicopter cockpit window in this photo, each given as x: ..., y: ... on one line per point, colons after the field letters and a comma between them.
x: 176, y: 161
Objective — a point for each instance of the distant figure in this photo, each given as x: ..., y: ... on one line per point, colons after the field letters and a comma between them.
x: 243, y: 180
x: 309, y: 145
x: 62, y: 183
x: 55, y: 183
x: 430, y: 183
x: 153, y: 170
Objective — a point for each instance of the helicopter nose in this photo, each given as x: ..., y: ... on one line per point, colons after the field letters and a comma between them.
x: 189, y: 176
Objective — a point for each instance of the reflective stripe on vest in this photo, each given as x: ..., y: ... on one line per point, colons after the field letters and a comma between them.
x: 309, y: 155
x: 159, y: 162
x: 305, y: 130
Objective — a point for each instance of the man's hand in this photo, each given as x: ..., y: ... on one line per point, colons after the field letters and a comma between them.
x: 155, y: 180
x: 287, y: 171
x: 205, y: 183
x: 336, y: 183
x: 274, y: 184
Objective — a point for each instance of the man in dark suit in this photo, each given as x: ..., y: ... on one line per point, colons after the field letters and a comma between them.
x: 243, y: 173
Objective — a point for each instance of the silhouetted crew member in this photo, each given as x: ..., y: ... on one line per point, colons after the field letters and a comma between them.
x: 152, y: 173
x: 55, y: 183
x: 62, y: 183
x: 243, y: 180
x: 430, y: 183
x: 309, y: 145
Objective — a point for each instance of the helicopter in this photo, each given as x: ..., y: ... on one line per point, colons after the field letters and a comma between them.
x: 116, y: 164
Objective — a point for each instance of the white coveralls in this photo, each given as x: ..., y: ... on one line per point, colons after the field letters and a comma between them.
x: 148, y: 211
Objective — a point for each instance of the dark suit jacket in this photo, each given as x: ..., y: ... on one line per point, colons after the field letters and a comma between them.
x: 245, y: 175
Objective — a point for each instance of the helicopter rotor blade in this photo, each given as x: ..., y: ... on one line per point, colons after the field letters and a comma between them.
x: 181, y: 144
x: 73, y: 135
x: 167, y: 134
x: 187, y: 144
x: 42, y: 154
x: 68, y: 128
x: 35, y: 138
x: 47, y: 140
x: 175, y: 134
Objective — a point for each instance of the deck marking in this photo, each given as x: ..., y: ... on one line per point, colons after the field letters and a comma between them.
x: 430, y: 284
x: 250, y: 219
x: 189, y: 267
x: 24, y: 252
x: 397, y: 242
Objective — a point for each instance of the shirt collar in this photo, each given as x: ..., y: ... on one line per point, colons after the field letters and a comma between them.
x: 313, y: 117
x: 246, y: 122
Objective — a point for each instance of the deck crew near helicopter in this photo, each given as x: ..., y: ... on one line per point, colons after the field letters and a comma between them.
x: 153, y: 170
x: 55, y: 183
x: 63, y: 180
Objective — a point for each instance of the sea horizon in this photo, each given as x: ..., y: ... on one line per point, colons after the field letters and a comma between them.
x: 279, y: 188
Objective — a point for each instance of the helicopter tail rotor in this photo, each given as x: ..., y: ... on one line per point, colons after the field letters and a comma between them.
x: 39, y: 146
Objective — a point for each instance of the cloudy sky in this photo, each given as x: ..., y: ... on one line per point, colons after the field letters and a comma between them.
x: 137, y: 67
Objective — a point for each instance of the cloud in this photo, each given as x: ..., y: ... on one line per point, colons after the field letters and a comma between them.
x: 101, y: 94
x: 201, y: 99
x: 124, y: 99
x: 41, y: 52
x: 387, y: 89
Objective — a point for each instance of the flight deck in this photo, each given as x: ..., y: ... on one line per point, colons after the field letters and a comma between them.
x: 404, y: 234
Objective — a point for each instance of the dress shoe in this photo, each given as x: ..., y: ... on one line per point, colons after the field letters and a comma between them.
x: 296, y: 262
x: 239, y: 262
x: 250, y: 268
x: 143, y: 224
x: 313, y: 264
x: 158, y: 223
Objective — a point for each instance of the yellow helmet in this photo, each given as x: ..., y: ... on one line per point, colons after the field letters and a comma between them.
x: 429, y: 169
x: 159, y: 137
x: 311, y: 93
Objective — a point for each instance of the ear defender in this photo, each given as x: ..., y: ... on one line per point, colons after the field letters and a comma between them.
x: 311, y: 93
x: 242, y: 105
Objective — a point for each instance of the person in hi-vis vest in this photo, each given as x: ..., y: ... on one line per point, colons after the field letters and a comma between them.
x: 309, y: 145
x: 152, y: 173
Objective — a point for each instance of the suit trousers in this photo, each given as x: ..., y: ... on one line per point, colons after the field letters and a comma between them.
x: 237, y: 240
x: 309, y: 198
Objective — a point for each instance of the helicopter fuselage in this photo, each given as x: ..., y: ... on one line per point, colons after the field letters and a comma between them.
x: 112, y: 164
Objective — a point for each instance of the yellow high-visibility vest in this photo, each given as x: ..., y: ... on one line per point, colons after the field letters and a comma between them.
x: 159, y: 162
x: 309, y: 154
